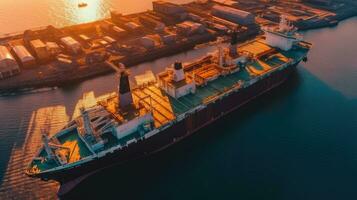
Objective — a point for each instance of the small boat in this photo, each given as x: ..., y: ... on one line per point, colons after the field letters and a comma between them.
x: 82, y: 5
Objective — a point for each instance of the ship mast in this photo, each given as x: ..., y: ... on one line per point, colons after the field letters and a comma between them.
x: 50, y: 154
x: 233, y: 43
x: 86, y: 122
x: 125, y: 98
x: 178, y: 74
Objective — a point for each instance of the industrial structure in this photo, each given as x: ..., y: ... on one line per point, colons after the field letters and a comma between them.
x: 8, y: 65
x: 233, y: 15
x: 72, y: 45
x: 23, y: 56
x: 137, y: 121
x: 40, y: 50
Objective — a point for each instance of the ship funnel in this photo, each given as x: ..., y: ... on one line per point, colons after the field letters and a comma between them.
x: 124, y: 93
x: 234, y: 42
x: 220, y: 56
x: 234, y: 37
x: 179, y: 75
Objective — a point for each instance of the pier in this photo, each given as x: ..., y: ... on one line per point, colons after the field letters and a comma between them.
x: 63, y: 56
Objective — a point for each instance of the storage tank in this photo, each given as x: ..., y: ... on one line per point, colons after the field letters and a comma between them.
x: 25, y: 59
x: 8, y: 65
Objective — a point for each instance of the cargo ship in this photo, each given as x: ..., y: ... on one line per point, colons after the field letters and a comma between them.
x: 161, y: 110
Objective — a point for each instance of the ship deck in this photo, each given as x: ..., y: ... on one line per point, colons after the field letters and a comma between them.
x: 69, y: 140
x: 166, y: 108
x: 78, y: 148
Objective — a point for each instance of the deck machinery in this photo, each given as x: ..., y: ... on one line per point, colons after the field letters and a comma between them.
x: 135, y: 122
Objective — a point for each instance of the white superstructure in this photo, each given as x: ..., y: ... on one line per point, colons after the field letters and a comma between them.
x: 283, y: 37
x: 174, y: 82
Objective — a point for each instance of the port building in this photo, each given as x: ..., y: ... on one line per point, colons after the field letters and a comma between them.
x: 72, y: 45
x: 234, y: 15
x: 40, y: 50
x: 189, y: 28
x: 23, y: 56
x: 167, y: 8
x: 8, y: 64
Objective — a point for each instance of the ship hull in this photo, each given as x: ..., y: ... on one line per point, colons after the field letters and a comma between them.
x: 175, y: 133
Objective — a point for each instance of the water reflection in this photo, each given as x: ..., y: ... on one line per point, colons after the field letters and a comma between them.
x: 92, y: 12
x: 15, y: 183
x: 48, y: 120
x: 341, y: 72
x: 35, y: 13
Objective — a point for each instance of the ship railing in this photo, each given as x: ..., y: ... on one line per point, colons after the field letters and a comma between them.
x: 227, y: 91
x: 304, y: 44
x: 151, y: 133
x: 72, y: 164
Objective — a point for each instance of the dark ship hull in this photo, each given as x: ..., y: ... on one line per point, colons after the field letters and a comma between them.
x: 174, y: 133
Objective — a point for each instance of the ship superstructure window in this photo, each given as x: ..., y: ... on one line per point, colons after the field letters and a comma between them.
x: 174, y: 82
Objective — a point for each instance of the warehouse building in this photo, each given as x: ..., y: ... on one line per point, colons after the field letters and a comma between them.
x: 24, y: 58
x: 150, y: 41
x: 167, y: 8
x: 151, y: 23
x: 113, y: 29
x: 53, y: 48
x: 190, y: 28
x: 71, y: 45
x: 40, y: 50
x: 8, y: 65
x: 233, y: 15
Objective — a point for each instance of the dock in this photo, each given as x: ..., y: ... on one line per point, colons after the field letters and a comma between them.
x: 64, y: 56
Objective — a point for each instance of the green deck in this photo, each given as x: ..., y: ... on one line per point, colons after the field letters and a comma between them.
x: 74, y: 137
x: 183, y: 104
x: 219, y: 85
x: 71, y: 137
x: 42, y: 166
x: 113, y: 141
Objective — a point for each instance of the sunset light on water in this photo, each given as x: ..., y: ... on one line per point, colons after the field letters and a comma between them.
x: 108, y: 99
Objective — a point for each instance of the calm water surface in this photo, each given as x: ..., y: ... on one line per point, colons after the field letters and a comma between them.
x: 18, y: 15
x: 298, y: 142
